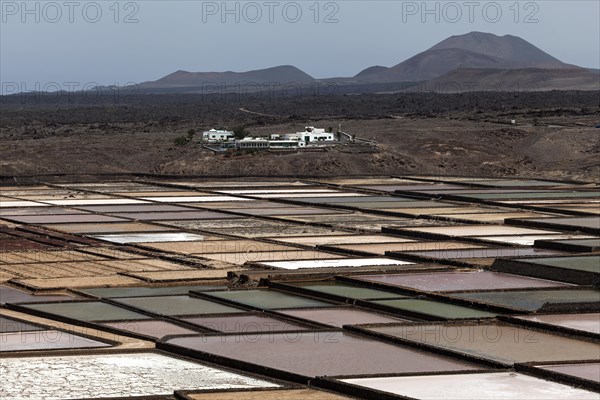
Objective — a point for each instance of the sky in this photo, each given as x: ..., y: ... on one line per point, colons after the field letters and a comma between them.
x: 72, y: 44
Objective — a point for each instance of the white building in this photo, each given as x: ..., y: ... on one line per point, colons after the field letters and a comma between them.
x: 217, y: 135
x: 286, y: 144
x: 310, y: 136
x: 262, y: 143
x: 252, y: 143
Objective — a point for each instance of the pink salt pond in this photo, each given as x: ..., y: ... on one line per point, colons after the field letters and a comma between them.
x: 467, y: 280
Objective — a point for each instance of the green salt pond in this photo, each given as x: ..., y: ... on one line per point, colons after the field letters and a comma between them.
x: 268, y: 299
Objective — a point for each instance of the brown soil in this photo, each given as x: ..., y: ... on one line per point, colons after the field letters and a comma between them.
x: 443, y: 134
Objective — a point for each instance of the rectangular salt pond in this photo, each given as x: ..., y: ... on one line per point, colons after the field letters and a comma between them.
x: 180, y: 215
x: 20, y: 203
x: 161, y: 193
x: 593, y: 209
x: 311, y: 354
x: 580, y: 263
x: 434, y: 309
x: 588, y: 371
x: 150, y: 237
x: 535, y: 195
x: 8, y: 245
x: 480, y: 230
x: 11, y: 295
x: 338, y: 317
x: 378, y: 205
x: 43, y: 341
x: 8, y: 325
x: 309, y: 195
x: 355, y: 198
x: 194, y: 199
x: 83, y: 269
x: 345, y: 290
x: 245, y: 323
x: 86, y: 311
x: 93, y: 202
x: 564, y: 269
x: 222, y: 246
x: 114, y: 375
x: 335, y: 262
x: 38, y: 211
x: 469, y: 192
x: 249, y: 192
x: 284, y: 394
x: 71, y: 282
x: 533, y: 300
x: 484, y: 253
x: 574, y: 244
x: 400, y: 203
x: 153, y: 328
x: 567, y: 202
x: 184, y: 276
x: 113, y: 227
x: 527, y: 240
x: 142, y: 291
x: 134, y: 208
x: 147, y: 265
x: 459, y: 280
x: 177, y: 305
x: 266, y: 299
x: 17, y: 191
x: 269, y: 257
x: 507, y: 344
x: 520, y: 182
x: 583, y: 222
x: 369, y: 181
x: 484, y: 386
x: 64, y: 218
x: 586, y: 322
x: 382, y: 248
x: 411, y: 188
x: 217, y: 205
x: 453, y: 212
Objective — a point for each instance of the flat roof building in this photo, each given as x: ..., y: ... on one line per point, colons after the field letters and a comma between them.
x: 217, y: 135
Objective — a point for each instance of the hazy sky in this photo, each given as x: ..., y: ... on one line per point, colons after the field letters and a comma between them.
x: 108, y: 42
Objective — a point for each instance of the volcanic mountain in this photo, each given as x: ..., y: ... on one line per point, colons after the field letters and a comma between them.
x: 472, y: 50
x: 499, y: 62
x: 283, y: 73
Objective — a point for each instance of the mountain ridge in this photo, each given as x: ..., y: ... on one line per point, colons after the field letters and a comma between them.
x: 281, y: 73
x: 480, y: 53
x: 471, y: 50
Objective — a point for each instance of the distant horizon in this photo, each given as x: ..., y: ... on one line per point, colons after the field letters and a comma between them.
x: 74, y: 88
x: 145, y: 41
x: 367, y: 66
